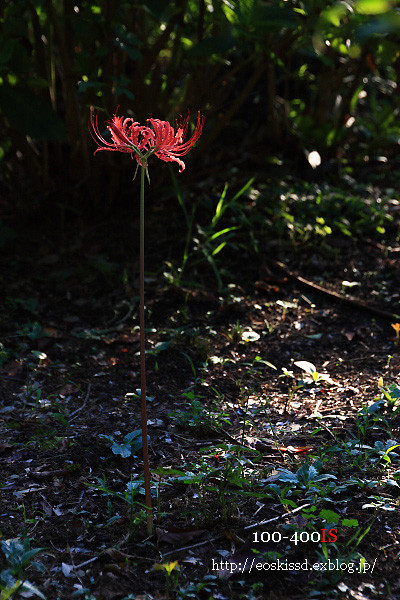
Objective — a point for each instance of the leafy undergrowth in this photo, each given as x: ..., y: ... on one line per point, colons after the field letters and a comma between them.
x: 274, y: 432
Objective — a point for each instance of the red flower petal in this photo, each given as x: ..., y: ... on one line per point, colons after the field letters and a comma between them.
x: 161, y: 138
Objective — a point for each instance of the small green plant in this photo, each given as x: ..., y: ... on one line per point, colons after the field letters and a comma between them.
x: 210, y: 240
x: 131, y: 496
x: 33, y: 331
x: 235, y: 334
x: 130, y: 446
x: 199, y: 415
x: 309, y: 215
x: 313, y: 376
x: 386, y: 451
x: 199, y: 589
x: 308, y: 479
x: 233, y: 479
x: 391, y: 393
x: 172, y: 575
x: 344, y: 552
x: 19, y: 556
x: 374, y: 418
x: 222, y: 478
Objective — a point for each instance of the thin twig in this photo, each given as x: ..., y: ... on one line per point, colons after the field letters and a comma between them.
x: 232, y: 439
x: 335, y: 296
x: 296, y: 510
x: 74, y: 566
x: 87, y: 562
x: 327, y: 429
x: 127, y: 556
x: 72, y: 415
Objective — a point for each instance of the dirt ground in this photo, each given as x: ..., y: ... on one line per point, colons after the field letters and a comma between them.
x: 226, y: 401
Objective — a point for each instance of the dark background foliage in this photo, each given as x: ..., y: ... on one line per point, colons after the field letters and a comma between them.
x: 276, y: 80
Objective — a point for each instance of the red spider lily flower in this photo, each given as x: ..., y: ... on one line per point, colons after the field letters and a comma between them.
x: 141, y: 141
x: 169, y: 146
x: 127, y: 136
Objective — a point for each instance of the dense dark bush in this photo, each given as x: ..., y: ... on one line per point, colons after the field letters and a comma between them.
x: 273, y: 77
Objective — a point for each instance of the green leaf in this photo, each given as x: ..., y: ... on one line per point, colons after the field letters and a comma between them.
x: 230, y: 13
x: 312, y: 473
x: 134, y: 435
x: 265, y: 362
x: 28, y: 555
x: 133, y: 442
x: 191, y: 478
x: 30, y: 115
x: 330, y: 516
x: 13, y: 549
x: 325, y: 477
x: 306, y: 366
x: 335, y: 13
x: 376, y: 407
x: 372, y: 7
x: 124, y: 450
x: 219, y: 211
x: 287, y: 502
x: 394, y: 391
x: 218, y: 248
x: 275, y: 488
x: 350, y: 523
x: 285, y: 475
x: 30, y: 590
x: 243, y: 189
x: 9, y: 591
x: 215, y: 235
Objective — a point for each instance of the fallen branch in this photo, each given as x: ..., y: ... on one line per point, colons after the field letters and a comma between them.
x: 336, y: 297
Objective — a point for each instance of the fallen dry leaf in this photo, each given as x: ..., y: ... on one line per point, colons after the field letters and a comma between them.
x: 349, y: 335
x: 69, y: 388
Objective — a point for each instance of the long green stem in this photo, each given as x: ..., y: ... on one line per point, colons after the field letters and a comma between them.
x: 143, y: 361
